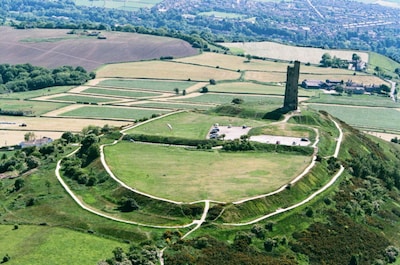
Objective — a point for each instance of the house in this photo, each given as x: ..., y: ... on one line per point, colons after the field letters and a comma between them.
x: 36, y: 142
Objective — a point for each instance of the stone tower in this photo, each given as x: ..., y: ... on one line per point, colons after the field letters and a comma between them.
x: 292, y: 90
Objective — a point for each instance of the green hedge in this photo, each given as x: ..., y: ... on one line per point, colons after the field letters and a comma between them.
x: 170, y: 140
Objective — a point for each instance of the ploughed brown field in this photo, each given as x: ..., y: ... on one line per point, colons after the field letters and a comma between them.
x: 54, y: 47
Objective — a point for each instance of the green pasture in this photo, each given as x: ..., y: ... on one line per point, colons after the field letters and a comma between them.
x: 254, y: 88
x: 120, y: 92
x: 36, y: 93
x: 158, y: 85
x: 79, y: 98
x: 354, y: 100
x: 106, y: 112
x: 37, y: 245
x: 191, y: 175
x: 190, y: 125
x: 175, y: 106
x: 216, y: 98
x: 37, y: 107
x: 371, y: 118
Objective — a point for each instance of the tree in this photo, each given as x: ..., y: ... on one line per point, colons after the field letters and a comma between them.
x: 68, y: 137
x: 213, y: 82
x: 269, y: 244
x: 184, y: 92
x: 326, y: 60
x: 384, y: 88
x: 248, y: 57
x: 18, y: 184
x: 204, y: 89
x: 237, y: 101
x: 355, y: 57
x: 128, y: 205
x: 29, y: 136
x: 176, y: 90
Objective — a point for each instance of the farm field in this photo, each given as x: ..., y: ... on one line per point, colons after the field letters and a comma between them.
x: 38, y: 245
x: 82, y: 98
x: 166, y: 70
x: 52, y: 48
x: 11, y: 133
x: 157, y: 85
x: 190, y: 125
x: 357, y: 100
x: 113, y: 113
x: 33, y: 107
x: 368, y: 118
x: 120, y: 92
x: 180, y: 173
x: 168, y: 105
x: 278, y: 51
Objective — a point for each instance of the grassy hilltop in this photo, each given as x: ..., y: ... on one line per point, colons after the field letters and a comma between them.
x: 167, y: 179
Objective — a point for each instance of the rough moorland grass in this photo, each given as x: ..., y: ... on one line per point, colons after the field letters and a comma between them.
x: 166, y: 70
x: 355, y: 100
x: 120, y: 92
x: 79, y: 98
x: 36, y: 93
x: 190, y: 175
x: 381, y: 119
x: 159, y: 85
x: 38, y: 245
x: 189, y: 125
x: 126, y: 113
x: 36, y: 107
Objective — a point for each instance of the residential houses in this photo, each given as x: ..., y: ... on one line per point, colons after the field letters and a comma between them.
x: 347, y: 87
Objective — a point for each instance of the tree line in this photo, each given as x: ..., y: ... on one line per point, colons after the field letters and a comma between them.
x: 26, y: 77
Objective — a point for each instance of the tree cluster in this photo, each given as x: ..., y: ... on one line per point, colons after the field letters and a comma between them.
x: 26, y: 77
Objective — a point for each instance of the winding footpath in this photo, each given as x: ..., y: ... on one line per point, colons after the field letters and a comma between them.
x: 197, y: 223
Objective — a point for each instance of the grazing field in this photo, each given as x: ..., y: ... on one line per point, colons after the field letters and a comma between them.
x: 37, y: 245
x: 159, y: 85
x: 355, y: 100
x: 216, y: 98
x: 36, y: 93
x: 52, y: 48
x: 291, y: 53
x: 371, y: 118
x: 359, y: 78
x: 120, y: 92
x: 166, y: 70
x: 116, y: 113
x: 190, y: 125
x: 35, y: 107
x: 81, y: 98
x: 190, y: 175
x: 168, y: 105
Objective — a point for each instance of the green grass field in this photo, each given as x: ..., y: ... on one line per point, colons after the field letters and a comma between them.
x: 215, y: 98
x: 173, y: 106
x: 37, y: 245
x: 381, y: 119
x: 120, y: 92
x: 190, y: 125
x: 187, y: 175
x: 355, y: 100
x: 81, y: 98
x: 36, y: 93
x: 36, y: 107
x: 254, y: 88
x: 157, y: 85
x: 127, y: 113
